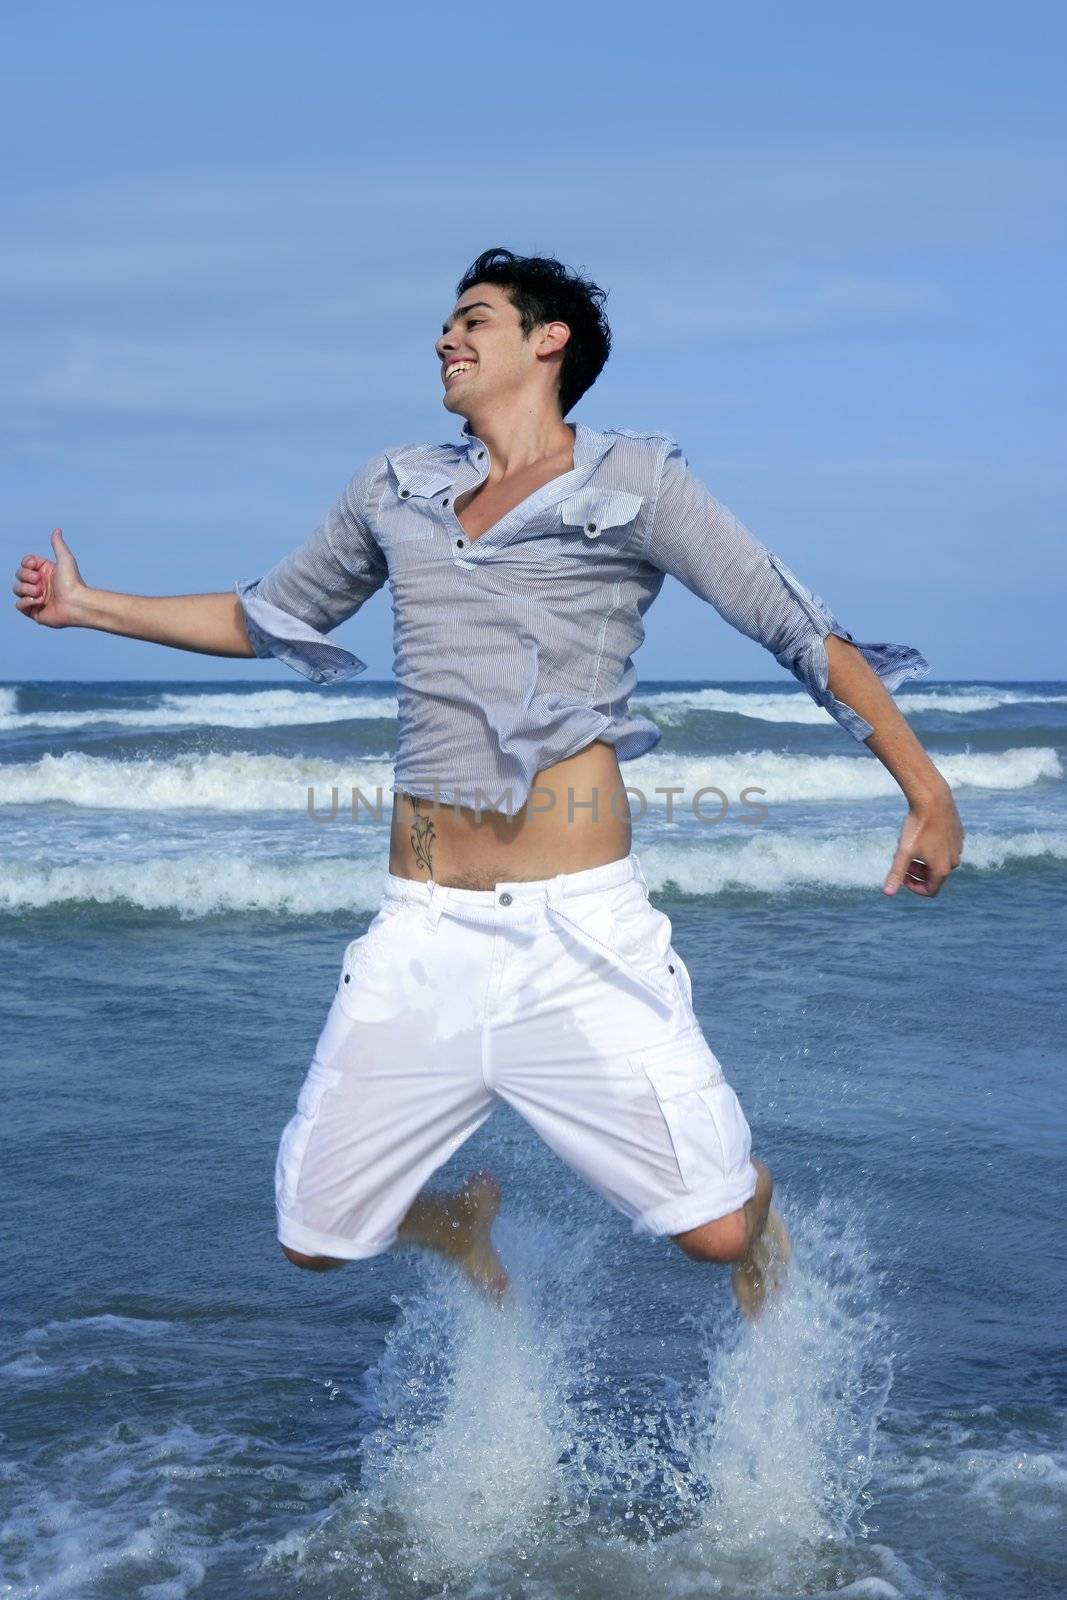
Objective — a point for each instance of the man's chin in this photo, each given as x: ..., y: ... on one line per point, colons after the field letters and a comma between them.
x: 457, y: 409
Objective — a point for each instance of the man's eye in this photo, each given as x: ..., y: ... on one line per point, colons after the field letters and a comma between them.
x: 475, y: 322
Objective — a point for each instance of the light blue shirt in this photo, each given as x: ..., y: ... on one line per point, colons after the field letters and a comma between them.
x: 514, y: 650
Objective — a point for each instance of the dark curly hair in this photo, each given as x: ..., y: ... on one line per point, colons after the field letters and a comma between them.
x: 543, y: 290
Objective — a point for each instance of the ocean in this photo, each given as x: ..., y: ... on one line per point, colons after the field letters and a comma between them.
x: 183, y: 1413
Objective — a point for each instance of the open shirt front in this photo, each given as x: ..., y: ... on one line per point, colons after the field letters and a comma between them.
x: 515, y: 650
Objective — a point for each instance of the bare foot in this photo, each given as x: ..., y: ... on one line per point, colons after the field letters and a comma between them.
x: 476, y: 1205
x: 762, y: 1272
x: 458, y: 1227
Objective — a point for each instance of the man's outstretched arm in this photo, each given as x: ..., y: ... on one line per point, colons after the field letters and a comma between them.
x: 286, y: 613
x: 53, y: 593
x: 699, y: 541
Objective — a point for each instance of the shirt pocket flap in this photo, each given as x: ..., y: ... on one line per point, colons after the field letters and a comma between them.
x: 593, y: 510
x: 420, y: 482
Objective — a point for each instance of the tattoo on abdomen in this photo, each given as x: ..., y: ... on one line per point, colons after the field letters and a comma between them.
x: 422, y: 835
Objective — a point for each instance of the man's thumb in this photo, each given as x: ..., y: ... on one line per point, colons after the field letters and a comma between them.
x: 59, y: 544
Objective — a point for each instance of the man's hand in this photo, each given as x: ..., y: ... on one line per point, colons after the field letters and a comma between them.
x: 46, y: 589
x: 931, y: 845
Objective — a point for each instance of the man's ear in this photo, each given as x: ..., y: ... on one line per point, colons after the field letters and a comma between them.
x: 552, y: 337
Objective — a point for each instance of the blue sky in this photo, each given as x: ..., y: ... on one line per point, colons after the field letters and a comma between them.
x: 832, y: 236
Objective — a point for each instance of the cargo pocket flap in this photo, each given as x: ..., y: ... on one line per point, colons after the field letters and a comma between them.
x: 680, y: 1066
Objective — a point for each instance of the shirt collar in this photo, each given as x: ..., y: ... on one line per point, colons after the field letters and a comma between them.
x: 590, y: 445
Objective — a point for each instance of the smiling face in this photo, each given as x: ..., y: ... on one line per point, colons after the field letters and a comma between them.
x: 486, y: 359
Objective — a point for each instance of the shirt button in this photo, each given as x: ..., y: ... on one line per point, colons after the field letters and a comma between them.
x: 404, y: 493
x: 481, y: 455
x: 590, y: 527
x: 444, y: 502
x: 459, y: 544
x: 505, y: 899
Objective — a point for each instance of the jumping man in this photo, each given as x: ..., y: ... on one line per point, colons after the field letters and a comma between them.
x: 516, y: 954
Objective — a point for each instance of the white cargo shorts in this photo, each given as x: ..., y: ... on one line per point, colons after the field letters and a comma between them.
x: 562, y: 996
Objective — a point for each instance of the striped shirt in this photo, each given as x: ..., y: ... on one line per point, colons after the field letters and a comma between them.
x: 515, y: 649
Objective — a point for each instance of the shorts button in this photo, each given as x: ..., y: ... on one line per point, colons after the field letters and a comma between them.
x: 670, y: 969
x: 348, y: 977
x: 505, y: 899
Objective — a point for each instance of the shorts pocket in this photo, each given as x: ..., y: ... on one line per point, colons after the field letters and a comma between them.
x: 677, y: 967
x: 708, y: 1129
x: 634, y: 936
x: 295, y: 1135
x: 359, y: 953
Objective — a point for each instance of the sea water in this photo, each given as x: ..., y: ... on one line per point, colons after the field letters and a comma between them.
x: 184, y: 1413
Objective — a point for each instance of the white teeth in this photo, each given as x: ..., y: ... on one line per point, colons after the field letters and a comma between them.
x: 461, y: 366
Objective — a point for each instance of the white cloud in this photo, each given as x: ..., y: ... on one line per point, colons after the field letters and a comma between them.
x: 254, y: 300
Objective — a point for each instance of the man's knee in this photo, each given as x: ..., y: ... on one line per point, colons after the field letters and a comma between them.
x: 311, y: 1263
x: 726, y: 1239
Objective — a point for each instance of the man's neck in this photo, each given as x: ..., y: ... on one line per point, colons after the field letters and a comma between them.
x: 520, y: 439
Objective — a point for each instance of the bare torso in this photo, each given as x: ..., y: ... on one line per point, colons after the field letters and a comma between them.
x: 577, y: 815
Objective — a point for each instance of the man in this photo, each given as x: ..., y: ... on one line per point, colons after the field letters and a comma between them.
x: 516, y: 954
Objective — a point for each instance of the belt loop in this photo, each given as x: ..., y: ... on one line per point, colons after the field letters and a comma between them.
x: 554, y: 889
x: 436, y: 904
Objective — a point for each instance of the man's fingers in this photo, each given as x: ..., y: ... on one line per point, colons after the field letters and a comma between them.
x: 914, y: 872
x: 895, y: 875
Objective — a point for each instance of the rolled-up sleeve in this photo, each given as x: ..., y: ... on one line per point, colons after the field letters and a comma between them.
x: 702, y: 544
x: 288, y: 611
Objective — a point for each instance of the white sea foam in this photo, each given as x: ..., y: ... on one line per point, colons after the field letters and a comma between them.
x: 246, y: 782
x: 267, y: 708
x: 212, y: 782
x: 781, y: 862
x: 105, y: 1323
x: 200, y: 885
x: 1008, y: 1467
x: 788, y: 778
x: 140, y: 1508
x: 670, y: 706
x: 212, y: 883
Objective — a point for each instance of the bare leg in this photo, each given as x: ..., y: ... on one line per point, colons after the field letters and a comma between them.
x: 761, y: 1270
x: 458, y: 1226
x: 754, y: 1240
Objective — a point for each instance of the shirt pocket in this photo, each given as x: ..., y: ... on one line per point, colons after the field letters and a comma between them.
x: 601, y: 516
x: 412, y: 510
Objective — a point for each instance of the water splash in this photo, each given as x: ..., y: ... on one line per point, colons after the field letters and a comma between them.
x: 513, y: 1445
x: 476, y: 1405
x: 784, y: 1432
